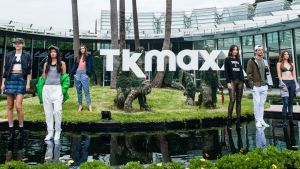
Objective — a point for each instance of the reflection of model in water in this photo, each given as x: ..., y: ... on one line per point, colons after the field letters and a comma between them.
x: 80, y: 149
x: 52, y: 153
x: 240, y: 148
x: 10, y: 148
x: 289, y: 137
x: 261, y: 137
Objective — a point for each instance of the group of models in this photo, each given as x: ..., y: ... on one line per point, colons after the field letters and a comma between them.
x: 259, y: 80
x: 53, y: 85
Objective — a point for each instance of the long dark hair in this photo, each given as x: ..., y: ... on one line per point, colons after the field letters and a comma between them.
x: 84, y: 55
x: 231, y: 51
x: 49, y: 61
x: 281, y: 59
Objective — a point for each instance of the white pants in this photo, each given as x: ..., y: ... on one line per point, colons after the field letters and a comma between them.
x: 259, y: 99
x: 52, y: 102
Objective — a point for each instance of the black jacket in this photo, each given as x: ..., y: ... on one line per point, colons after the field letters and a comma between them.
x: 89, y: 66
x: 26, y: 64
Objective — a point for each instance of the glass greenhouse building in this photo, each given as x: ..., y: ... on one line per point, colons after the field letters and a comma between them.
x: 273, y: 24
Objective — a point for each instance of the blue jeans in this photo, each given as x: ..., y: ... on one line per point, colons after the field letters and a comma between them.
x: 82, y: 81
x: 288, y: 101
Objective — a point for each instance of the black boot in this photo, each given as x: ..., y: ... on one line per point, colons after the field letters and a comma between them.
x: 21, y: 133
x: 11, y: 134
x: 229, y: 124
x: 292, y: 123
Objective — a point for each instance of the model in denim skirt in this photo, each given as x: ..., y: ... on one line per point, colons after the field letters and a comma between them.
x: 16, y: 81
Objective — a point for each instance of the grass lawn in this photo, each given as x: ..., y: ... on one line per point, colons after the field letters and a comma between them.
x: 166, y: 104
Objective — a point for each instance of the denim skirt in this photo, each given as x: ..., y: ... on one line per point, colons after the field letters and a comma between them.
x: 15, y: 84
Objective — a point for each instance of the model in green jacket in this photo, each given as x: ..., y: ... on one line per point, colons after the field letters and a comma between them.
x: 65, y: 84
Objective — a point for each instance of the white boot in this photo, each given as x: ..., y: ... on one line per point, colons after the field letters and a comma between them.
x: 49, y: 136
x: 57, y: 136
x: 264, y: 123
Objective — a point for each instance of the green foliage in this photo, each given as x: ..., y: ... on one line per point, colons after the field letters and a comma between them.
x: 170, y: 165
x: 269, y: 158
x: 127, y: 80
x: 259, y: 158
x: 200, y: 162
x: 168, y: 78
x: 33, y: 83
x: 51, y: 166
x: 16, y: 165
x: 132, y: 165
x: 94, y: 165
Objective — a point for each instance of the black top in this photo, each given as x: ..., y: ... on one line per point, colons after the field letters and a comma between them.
x: 233, y: 70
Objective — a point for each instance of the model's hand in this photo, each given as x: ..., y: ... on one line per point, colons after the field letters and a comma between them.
x: 2, y: 88
x: 27, y: 87
x: 285, y: 89
x: 229, y: 86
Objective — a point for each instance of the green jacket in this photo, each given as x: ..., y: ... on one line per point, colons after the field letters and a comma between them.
x: 65, y: 84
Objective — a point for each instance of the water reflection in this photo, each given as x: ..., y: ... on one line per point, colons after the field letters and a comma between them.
x: 148, y: 147
x: 15, y: 150
x: 261, y: 141
x: 52, y: 154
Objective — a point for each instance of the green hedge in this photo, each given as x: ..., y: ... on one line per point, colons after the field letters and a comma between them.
x: 269, y: 158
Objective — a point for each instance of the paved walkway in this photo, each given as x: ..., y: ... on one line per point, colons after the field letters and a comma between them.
x: 278, y: 108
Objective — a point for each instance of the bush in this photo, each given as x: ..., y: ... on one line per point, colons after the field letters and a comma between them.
x: 51, y: 166
x: 132, y: 165
x: 94, y: 165
x: 16, y: 165
x: 170, y: 165
x: 200, y: 162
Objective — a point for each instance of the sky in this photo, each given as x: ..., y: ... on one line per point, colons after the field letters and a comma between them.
x: 58, y: 13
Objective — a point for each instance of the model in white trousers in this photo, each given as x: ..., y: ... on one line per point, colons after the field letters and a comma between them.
x: 52, y: 102
x: 259, y: 99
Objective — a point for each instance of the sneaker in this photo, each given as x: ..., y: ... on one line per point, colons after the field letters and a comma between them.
x: 258, y: 124
x: 264, y: 123
x: 57, y: 136
x: 49, y: 136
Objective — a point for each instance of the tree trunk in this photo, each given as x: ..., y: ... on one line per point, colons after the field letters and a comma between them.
x: 122, y: 25
x: 114, y: 40
x: 76, y: 41
x: 135, y: 25
x: 158, y: 80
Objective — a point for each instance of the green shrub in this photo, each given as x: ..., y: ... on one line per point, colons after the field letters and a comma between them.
x: 94, y: 165
x: 16, y: 165
x: 170, y: 165
x: 51, y: 166
x: 132, y: 165
x: 200, y: 162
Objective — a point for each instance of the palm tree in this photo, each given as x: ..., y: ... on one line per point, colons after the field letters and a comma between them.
x: 76, y: 41
x: 114, y: 40
x: 122, y: 25
x: 158, y: 80
x: 135, y: 25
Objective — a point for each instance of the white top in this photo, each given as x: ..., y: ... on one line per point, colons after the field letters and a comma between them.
x: 17, y: 64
